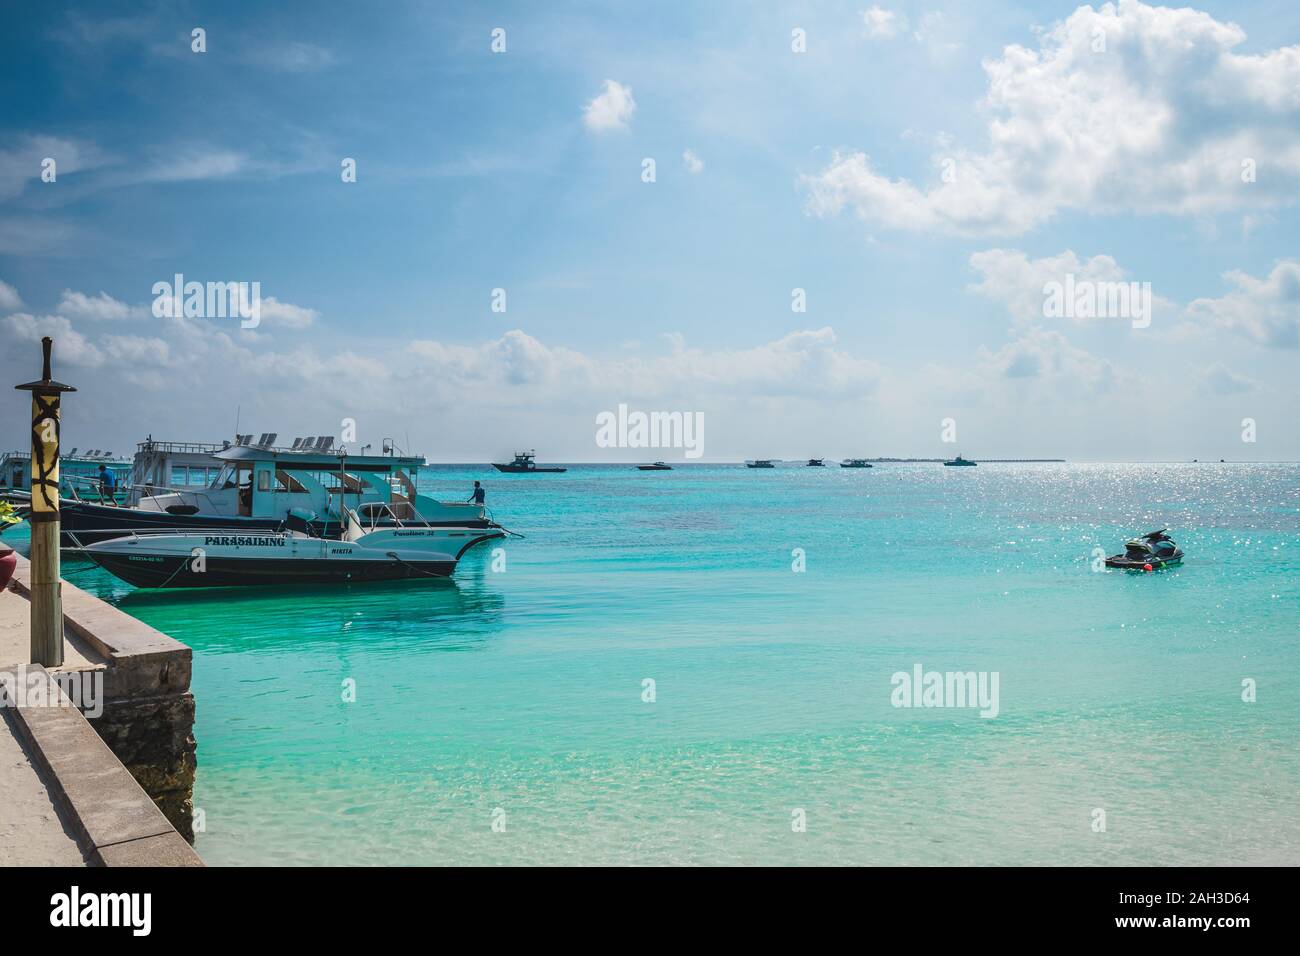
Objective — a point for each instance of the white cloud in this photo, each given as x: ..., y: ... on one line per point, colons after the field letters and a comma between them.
x: 102, y: 307
x: 70, y: 346
x: 193, y: 165
x: 21, y: 163
x: 1265, y: 311
x: 1012, y: 279
x: 611, y: 109
x: 803, y: 362
x: 286, y: 314
x: 776, y: 397
x: 1044, y: 355
x: 9, y: 297
x: 1218, y: 379
x: 694, y: 165
x: 1016, y: 282
x: 292, y: 57
x: 1159, y: 122
x: 935, y: 34
x: 137, y: 349
x: 883, y: 24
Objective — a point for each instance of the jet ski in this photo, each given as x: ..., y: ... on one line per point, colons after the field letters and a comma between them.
x: 1152, y: 551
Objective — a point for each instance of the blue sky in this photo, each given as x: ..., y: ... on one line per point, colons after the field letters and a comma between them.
x: 819, y: 170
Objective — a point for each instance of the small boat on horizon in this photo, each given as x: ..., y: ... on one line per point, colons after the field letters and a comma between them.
x: 816, y: 463
x: 855, y: 463
x: 657, y: 466
x: 760, y: 463
x: 959, y: 462
x: 525, y: 464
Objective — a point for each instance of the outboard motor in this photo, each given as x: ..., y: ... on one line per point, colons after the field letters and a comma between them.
x: 300, y: 519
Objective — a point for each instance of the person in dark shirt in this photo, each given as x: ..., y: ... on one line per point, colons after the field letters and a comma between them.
x: 479, y: 496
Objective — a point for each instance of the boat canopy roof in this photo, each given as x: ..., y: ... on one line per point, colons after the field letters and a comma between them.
x: 65, y: 459
x: 319, y: 461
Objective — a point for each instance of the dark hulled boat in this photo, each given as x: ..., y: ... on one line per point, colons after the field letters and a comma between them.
x: 525, y: 464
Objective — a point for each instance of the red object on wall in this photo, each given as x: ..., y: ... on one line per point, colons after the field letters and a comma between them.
x: 8, y: 564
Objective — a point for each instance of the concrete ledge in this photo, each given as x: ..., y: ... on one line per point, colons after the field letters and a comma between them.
x: 142, y: 660
x: 167, y: 849
x: 115, y: 821
x: 148, y: 716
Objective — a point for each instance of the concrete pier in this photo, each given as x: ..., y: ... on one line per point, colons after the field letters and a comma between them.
x: 32, y: 830
x: 119, y: 785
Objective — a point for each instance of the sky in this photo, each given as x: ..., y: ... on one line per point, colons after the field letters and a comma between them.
x: 504, y: 268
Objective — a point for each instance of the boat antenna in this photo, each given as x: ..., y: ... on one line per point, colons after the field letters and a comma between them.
x: 237, y: 408
x: 343, y: 483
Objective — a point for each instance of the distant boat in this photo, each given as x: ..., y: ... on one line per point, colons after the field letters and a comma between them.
x: 524, y: 464
x: 855, y: 463
x: 657, y: 466
x: 959, y: 461
x: 760, y: 463
x: 816, y: 463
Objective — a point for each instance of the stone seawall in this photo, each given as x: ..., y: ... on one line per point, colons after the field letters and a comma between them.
x: 148, y: 718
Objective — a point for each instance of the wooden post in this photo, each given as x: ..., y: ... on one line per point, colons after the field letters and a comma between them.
x: 47, y: 599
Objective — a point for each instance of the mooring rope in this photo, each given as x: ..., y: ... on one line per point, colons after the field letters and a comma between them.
x: 407, y: 564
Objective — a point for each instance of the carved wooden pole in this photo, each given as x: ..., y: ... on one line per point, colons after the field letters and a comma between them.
x: 47, y: 599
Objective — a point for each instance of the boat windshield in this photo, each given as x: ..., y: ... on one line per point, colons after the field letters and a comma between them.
x: 226, y: 477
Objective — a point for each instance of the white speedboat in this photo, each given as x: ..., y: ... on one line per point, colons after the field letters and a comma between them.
x: 233, y: 558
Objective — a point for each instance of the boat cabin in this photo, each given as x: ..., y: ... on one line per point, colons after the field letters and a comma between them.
x: 78, y: 472
x: 171, y: 464
x: 253, y: 481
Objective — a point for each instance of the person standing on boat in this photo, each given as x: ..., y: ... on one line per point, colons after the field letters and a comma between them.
x: 479, y: 496
x: 107, y: 485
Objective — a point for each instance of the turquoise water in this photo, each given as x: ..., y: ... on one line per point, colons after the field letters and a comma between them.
x: 522, y: 690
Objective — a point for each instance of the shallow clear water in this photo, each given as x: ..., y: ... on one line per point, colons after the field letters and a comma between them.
x: 522, y: 690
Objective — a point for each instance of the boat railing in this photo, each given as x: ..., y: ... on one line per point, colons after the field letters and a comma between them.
x: 376, y: 510
x: 182, y: 447
x: 93, y: 490
x: 85, y: 488
x: 152, y: 492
